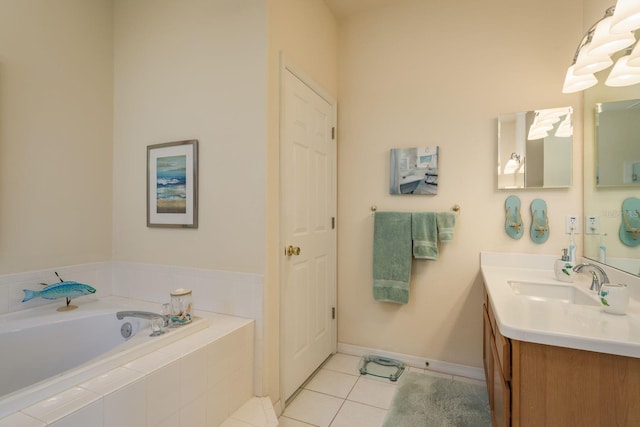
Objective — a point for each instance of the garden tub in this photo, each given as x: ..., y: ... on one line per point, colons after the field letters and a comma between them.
x: 44, y: 351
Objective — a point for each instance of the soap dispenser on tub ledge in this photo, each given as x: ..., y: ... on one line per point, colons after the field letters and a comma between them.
x: 563, y: 268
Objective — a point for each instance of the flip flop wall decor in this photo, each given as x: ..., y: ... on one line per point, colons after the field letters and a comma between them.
x: 539, y: 221
x: 513, y: 217
x: 630, y: 222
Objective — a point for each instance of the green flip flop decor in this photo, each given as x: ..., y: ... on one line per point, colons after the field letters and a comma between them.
x: 630, y: 223
x: 539, y: 221
x: 513, y: 217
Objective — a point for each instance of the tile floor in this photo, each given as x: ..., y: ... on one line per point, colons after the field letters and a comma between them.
x: 338, y: 396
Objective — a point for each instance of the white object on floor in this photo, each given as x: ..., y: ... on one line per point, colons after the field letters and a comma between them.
x: 257, y: 412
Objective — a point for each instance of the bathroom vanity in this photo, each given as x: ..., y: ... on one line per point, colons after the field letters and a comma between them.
x: 554, y: 358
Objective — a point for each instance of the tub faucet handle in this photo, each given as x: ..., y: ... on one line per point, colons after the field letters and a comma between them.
x: 158, y: 321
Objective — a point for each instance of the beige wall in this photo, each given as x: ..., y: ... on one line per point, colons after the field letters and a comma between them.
x: 305, y: 32
x: 204, y: 70
x: 55, y: 133
x: 439, y: 73
x: 192, y: 70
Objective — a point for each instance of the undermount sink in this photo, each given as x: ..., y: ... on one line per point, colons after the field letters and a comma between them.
x: 552, y: 292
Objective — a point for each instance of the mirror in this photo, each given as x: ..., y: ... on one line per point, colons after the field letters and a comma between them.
x: 535, y: 149
x: 607, y: 112
x: 617, y: 145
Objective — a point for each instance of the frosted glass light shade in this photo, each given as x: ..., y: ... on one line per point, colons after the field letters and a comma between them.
x: 605, y: 42
x: 537, y: 133
x: 574, y: 83
x: 587, y: 63
x: 626, y: 16
x: 622, y: 74
x: 634, y: 57
x: 565, y: 129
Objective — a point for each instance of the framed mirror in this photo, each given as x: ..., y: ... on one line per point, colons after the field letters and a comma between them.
x: 535, y: 149
x: 617, y: 145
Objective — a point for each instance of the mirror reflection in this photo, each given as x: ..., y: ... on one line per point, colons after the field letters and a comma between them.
x: 611, y: 121
x: 535, y: 149
x: 617, y: 144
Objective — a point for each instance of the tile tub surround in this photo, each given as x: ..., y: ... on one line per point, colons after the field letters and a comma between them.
x: 217, y: 291
x: 80, y: 344
x: 97, y: 275
x: 199, y: 380
x: 566, y: 325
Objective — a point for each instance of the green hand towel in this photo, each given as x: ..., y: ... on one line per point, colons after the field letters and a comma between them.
x: 392, y: 256
x: 446, y: 223
x: 425, y: 235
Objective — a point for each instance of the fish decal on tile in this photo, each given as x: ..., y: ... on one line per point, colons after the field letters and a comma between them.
x: 64, y: 289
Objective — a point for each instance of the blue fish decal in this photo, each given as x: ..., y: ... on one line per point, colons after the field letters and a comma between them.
x: 60, y: 290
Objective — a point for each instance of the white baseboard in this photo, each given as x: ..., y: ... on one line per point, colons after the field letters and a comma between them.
x: 416, y: 362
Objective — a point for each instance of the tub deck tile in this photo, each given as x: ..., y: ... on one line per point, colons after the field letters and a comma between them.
x: 111, y: 381
x: 62, y: 404
x: 21, y: 420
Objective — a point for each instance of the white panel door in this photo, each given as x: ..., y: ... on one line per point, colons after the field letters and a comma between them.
x: 308, y: 198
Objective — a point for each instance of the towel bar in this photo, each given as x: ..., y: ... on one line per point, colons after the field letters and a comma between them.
x: 455, y: 208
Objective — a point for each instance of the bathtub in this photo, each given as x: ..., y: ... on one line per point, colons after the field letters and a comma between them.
x: 44, y: 352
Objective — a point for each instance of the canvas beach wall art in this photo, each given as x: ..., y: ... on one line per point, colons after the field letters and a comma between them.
x: 172, y: 184
x: 414, y: 170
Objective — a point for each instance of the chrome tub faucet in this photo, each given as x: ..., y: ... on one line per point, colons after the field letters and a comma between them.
x: 156, y: 327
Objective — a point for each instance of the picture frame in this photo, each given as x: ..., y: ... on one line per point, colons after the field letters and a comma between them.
x: 172, y: 184
x: 414, y: 170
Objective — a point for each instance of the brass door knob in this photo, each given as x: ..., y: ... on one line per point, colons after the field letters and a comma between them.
x: 292, y: 250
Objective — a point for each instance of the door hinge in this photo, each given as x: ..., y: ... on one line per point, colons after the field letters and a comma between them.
x: 333, y: 133
x: 333, y: 312
x: 333, y: 222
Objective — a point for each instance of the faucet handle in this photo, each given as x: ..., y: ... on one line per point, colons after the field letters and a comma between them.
x: 157, y: 326
x: 165, y: 311
x: 595, y: 283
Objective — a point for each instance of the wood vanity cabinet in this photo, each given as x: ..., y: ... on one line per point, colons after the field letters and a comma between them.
x: 536, y: 385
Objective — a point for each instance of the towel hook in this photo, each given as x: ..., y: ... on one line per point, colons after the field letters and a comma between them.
x: 374, y: 208
x: 456, y: 208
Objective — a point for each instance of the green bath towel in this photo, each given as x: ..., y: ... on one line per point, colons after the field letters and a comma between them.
x: 425, y: 235
x: 446, y: 223
x: 392, y: 256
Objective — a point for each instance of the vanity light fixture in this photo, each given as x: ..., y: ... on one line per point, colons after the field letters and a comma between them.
x: 545, y: 120
x: 627, y: 16
x: 565, y: 129
x: 612, y: 33
x: 623, y: 74
x: 513, y: 164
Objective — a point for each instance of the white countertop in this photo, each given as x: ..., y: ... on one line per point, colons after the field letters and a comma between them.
x: 556, y: 323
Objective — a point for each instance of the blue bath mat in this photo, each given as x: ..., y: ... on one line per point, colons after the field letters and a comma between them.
x: 423, y: 400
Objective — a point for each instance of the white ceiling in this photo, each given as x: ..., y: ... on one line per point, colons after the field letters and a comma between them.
x: 343, y: 8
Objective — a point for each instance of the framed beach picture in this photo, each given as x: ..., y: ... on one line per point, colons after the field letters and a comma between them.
x: 172, y: 184
x: 414, y: 170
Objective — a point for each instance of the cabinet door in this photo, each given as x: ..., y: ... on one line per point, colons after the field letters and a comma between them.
x: 487, y: 355
x: 501, y: 407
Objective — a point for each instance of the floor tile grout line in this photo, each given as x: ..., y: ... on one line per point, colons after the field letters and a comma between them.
x: 300, y: 421
x: 336, y: 415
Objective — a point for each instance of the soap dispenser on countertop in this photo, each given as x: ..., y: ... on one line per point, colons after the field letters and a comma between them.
x: 563, y: 268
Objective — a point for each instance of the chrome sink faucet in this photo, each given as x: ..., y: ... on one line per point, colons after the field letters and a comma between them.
x: 596, y: 282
